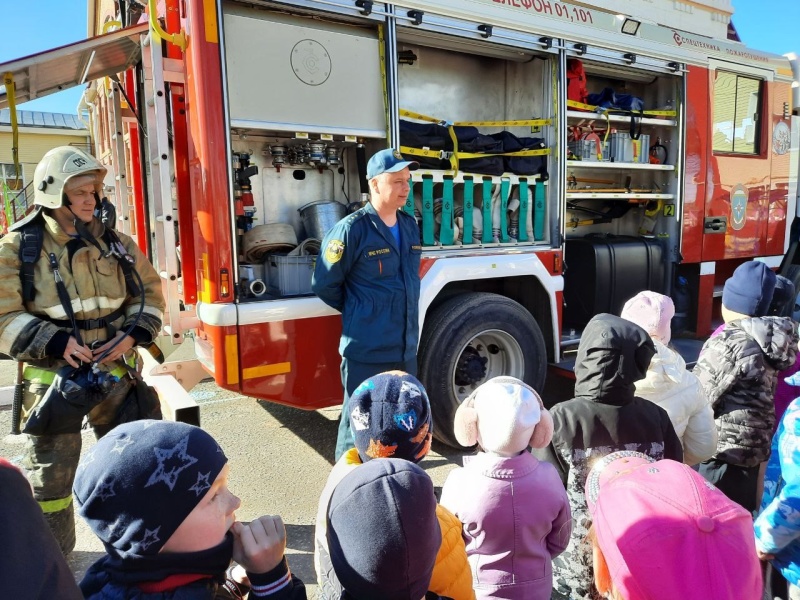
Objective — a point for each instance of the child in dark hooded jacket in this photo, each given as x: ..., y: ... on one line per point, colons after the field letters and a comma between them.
x: 604, y: 417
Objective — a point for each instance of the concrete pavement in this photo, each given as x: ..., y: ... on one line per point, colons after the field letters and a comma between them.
x: 280, y: 458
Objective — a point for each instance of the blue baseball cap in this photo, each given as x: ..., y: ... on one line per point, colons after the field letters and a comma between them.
x: 388, y: 161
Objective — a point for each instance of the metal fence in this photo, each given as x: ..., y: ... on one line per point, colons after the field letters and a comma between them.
x: 16, y: 204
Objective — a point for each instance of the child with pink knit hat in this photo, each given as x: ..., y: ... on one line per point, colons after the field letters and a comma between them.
x: 668, y: 383
x: 661, y: 531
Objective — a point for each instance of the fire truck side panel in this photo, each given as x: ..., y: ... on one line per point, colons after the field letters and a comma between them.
x: 292, y: 361
x: 738, y: 183
x: 208, y: 160
x: 697, y: 131
x: 778, y: 144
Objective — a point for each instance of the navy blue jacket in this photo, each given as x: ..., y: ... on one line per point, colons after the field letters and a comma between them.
x: 362, y: 273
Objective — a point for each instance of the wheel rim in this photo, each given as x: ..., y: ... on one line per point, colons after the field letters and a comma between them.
x: 488, y: 354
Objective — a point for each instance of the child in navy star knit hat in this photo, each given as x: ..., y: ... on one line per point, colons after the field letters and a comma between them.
x: 390, y: 417
x: 156, y: 494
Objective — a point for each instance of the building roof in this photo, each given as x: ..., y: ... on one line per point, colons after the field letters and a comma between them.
x: 30, y: 118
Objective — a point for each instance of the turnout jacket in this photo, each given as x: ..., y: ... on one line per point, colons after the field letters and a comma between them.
x: 604, y: 417
x: 777, y: 528
x: 95, y: 285
x: 374, y: 284
x: 738, y: 371
x: 678, y: 392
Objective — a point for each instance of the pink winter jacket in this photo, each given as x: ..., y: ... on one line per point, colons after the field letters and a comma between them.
x: 516, y: 518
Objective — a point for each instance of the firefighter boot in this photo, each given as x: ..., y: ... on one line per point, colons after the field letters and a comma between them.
x: 50, y: 462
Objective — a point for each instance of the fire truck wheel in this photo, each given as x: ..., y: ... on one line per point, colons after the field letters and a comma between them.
x: 470, y: 338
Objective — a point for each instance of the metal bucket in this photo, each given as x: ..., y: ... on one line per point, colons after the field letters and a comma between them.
x: 320, y: 217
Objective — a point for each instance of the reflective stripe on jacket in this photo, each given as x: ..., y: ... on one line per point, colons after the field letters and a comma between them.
x: 96, y: 286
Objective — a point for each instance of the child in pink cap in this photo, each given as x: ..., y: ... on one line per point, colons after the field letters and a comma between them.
x: 661, y: 531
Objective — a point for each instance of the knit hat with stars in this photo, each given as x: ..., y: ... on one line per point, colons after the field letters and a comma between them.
x: 139, y: 482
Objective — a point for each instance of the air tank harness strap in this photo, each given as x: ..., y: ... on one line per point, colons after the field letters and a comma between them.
x: 89, y: 324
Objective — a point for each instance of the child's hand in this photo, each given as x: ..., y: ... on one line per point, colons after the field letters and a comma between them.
x: 259, y: 546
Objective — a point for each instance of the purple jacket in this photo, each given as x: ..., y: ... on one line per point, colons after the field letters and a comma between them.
x: 516, y: 518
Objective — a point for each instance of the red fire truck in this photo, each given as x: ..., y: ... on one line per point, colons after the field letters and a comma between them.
x: 571, y: 157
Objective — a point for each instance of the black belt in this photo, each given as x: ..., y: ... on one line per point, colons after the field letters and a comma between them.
x: 87, y: 324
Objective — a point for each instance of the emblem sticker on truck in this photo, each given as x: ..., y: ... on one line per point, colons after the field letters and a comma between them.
x: 334, y: 251
x: 738, y: 206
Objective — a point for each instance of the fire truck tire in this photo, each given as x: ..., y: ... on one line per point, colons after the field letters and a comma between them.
x: 469, y: 339
x: 793, y: 274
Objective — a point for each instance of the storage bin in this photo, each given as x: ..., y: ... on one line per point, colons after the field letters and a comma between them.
x: 621, y: 148
x: 290, y: 275
x: 586, y: 150
x: 604, y: 271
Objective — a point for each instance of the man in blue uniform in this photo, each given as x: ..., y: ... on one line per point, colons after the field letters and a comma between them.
x: 368, y: 269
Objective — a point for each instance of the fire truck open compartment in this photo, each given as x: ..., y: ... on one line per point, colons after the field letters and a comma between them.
x: 481, y: 88
x: 622, y: 192
x: 303, y: 102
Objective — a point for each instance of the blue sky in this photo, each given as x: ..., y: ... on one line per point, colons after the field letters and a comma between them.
x: 770, y: 25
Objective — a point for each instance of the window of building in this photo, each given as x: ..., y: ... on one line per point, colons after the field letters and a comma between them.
x: 737, y: 106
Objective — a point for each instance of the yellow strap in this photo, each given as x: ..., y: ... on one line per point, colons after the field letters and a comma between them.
x: 420, y: 116
x: 36, y: 375
x: 54, y: 506
x: 592, y: 108
x: 423, y: 152
x: 517, y: 123
x: 540, y: 152
x: 522, y: 123
x: 454, y: 156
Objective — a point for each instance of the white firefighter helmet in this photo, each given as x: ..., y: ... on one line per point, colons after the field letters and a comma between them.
x: 57, y: 167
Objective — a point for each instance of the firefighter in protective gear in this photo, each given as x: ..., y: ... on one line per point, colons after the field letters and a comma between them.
x: 68, y: 183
